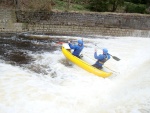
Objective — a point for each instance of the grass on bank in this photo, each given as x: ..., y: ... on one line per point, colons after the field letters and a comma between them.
x: 62, y: 6
x: 127, y: 7
x: 74, y: 5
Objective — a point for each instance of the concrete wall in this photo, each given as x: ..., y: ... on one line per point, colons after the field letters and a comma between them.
x: 108, y: 20
x: 105, y: 24
x: 86, y: 30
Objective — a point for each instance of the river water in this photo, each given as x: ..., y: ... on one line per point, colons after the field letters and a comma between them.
x: 35, y: 77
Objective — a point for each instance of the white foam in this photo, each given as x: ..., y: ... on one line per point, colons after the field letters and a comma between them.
x: 73, y: 90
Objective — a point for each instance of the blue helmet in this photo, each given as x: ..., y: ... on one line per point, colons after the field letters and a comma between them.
x: 80, y: 42
x: 105, y: 51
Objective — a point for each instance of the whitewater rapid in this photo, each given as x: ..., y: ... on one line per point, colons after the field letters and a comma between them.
x: 69, y: 89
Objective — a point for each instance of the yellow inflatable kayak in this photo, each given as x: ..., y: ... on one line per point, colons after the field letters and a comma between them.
x: 81, y: 63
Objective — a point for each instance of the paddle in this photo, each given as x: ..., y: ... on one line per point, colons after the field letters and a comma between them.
x: 114, y: 57
x: 86, y: 54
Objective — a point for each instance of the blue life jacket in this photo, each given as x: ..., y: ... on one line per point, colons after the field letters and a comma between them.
x: 101, y: 59
x: 77, y: 48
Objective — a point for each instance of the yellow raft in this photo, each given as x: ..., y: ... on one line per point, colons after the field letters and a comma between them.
x: 83, y: 64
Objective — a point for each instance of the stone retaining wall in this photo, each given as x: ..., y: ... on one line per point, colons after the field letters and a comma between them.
x: 107, y: 20
x: 104, y: 24
x: 84, y: 30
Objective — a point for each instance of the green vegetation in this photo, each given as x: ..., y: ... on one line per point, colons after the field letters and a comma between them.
x: 125, y: 6
x: 74, y: 6
x: 135, y: 8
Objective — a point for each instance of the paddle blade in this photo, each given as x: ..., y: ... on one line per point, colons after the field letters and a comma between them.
x: 60, y: 42
x: 116, y: 58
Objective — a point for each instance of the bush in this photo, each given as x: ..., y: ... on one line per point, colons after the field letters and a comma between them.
x: 99, y: 5
x: 36, y: 5
x: 135, y: 8
x: 148, y: 10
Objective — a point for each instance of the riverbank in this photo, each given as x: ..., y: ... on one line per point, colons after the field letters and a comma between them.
x: 75, y: 23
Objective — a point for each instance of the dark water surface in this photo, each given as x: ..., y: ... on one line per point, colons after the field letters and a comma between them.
x: 14, y: 48
x: 21, y: 49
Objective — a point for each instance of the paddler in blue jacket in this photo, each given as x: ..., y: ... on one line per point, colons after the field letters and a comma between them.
x: 101, y: 58
x: 77, y: 48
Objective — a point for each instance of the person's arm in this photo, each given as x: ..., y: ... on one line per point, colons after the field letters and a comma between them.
x: 83, y: 42
x: 108, y: 56
x: 95, y: 54
x: 71, y: 45
x: 99, y: 57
